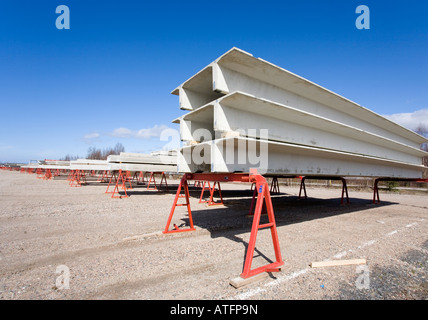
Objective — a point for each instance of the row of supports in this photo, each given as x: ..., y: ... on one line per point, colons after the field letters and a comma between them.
x: 262, y: 202
x: 263, y: 198
x: 376, y: 183
x: 77, y: 178
x: 119, y: 180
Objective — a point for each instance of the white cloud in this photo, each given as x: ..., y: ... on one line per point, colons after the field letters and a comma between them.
x: 410, y: 120
x: 151, y: 132
x: 122, y: 133
x: 90, y: 136
x: 145, y: 133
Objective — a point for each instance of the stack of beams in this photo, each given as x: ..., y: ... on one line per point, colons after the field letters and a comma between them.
x: 154, y: 162
x: 310, y: 130
x: 48, y: 164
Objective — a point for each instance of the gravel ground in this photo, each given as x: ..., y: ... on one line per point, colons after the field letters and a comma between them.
x: 114, y: 249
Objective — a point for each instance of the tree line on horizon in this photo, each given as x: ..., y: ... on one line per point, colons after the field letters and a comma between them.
x: 97, y: 153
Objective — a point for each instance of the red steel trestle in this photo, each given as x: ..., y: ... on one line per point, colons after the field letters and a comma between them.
x: 263, y: 198
x: 344, y: 186
x: 212, y: 189
x: 376, y: 198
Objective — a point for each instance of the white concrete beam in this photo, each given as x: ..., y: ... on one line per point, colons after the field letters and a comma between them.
x: 237, y: 70
x: 241, y: 113
x: 226, y: 155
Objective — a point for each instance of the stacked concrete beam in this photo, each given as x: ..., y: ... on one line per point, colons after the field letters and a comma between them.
x: 310, y: 130
x: 156, y: 162
x: 48, y: 164
x: 89, y: 165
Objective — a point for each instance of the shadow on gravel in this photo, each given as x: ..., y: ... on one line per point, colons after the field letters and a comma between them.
x: 404, y: 280
x: 232, y: 219
x: 234, y: 214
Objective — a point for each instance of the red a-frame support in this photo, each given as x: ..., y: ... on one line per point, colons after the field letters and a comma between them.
x: 119, y: 181
x: 263, y: 197
x: 212, y: 189
x: 344, y: 185
x: 376, y: 182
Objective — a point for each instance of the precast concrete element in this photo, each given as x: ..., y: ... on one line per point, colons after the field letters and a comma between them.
x: 306, y: 128
x: 237, y: 114
x: 234, y: 154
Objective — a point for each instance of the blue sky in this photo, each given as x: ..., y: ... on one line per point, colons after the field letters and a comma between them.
x: 108, y: 78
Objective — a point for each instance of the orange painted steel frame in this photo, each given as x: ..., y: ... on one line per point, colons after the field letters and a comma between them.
x: 212, y: 189
x: 376, y: 188
x: 274, y: 187
x: 76, y: 178
x: 263, y: 197
x: 120, y: 180
x: 344, y: 186
x: 152, y: 178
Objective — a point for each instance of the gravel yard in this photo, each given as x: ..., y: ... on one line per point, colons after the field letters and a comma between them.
x: 114, y: 249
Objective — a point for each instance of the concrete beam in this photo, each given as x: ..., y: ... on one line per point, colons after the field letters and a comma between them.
x: 238, y: 70
x: 234, y: 155
x: 237, y: 113
x: 143, y: 158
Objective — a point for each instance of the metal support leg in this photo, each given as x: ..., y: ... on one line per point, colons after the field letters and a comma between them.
x: 274, y: 187
x: 185, y: 187
x: 212, y: 189
x: 302, y: 186
x: 120, y: 182
x: 263, y: 196
x: 152, y: 177
x: 163, y: 179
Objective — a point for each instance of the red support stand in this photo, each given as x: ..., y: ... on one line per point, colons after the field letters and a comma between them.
x: 47, y: 175
x: 136, y: 177
x: 163, y: 180
x: 104, y: 177
x: 185, y: 187
x: 274, y: 187
x: 344, y: 186
x: 40, y: 173
x: 77, y: 178
x: 119, y: 182
x: 263, y: 198
x: 113, y: 175
x: 153, y: 179
x: 141, y: 177
x: 212, y: 189
x: 127, y: 178
x: 376, y: 198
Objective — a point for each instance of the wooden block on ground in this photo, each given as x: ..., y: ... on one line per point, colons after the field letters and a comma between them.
x: 240, y: 282
x: 333, y: 263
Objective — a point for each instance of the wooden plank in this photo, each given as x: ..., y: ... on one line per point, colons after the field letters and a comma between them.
x: 240, y: 282
x: 332, y: 263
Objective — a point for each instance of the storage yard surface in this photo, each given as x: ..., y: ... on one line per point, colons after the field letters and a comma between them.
x: 115, y: 249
